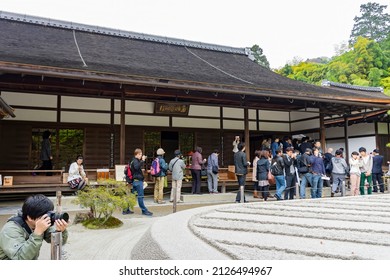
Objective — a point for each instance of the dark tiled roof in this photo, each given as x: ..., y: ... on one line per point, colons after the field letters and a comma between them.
x: 43, y: 45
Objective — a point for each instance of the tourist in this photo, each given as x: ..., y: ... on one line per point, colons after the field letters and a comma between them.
x: 256, y: 187
x: 304, y: 169
x: 77, y: 179
x: 278, y: 167
x: 137, y: 164
x: 177, y: 166
x: 160, y: 177
x: 289, y: 160
x: 339, y: 172
x: 262, y: 170
x: 354, y: 174
x: 241, y: 169
x: 365, y: 170
x: 318, y: 170
x: 377, y: 172
x: 212, y: 172
x: 235, y: 143
x: 46, y: 156
x: 196, y: 168
x: 22, y: 236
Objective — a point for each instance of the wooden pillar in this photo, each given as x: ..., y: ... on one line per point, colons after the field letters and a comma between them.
x: 122, y: 145
x: 346, y: 139
x: 112, y: 134
x: 322, y: 132
x: 221, y: 152
x: 57, y: 159
x: 246, y: 128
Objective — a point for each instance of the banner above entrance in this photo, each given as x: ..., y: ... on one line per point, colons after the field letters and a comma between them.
x: 171, y: 108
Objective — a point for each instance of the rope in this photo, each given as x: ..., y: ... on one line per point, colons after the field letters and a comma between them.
x: 78, y: 49
x: 217, y: 68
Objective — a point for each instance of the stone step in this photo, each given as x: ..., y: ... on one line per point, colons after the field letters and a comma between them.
x: 218, y: 197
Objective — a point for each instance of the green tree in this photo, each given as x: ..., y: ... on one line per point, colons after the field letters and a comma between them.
x: 373, y: 23
x: 260, y: 58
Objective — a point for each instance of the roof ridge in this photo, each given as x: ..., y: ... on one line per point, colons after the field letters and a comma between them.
x: 118, y: 33
x: 326, y: 83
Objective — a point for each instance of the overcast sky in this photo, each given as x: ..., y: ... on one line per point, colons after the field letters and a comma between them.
x: 283, y: 28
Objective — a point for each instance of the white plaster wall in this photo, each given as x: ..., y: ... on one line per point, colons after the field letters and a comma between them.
x: 79, y: 117
x: 143, y: 120
x: 361, y: 129
x: 135, y: 106
x: 229, y: 124
x: 204, y: 111
x: 334, y: 132
x: 383, y: 128
x: 252, y: 126
x: 252, y: 114
x: 274, y: 115
x: 85, y: 103
x: 28, y: 99
x: 353, y: 144
x: 296, y: 115
x: 302, y: 125
x: 195, y: 123
x: 233, y: 113
x: 34, y: 115
x: 272, y: 126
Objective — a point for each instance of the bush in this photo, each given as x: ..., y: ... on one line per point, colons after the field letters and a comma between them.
x: 105, y: 199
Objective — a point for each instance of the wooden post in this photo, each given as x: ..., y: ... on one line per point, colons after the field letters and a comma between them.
x: 322, y: 132
x: 58, y: 201
x: 346, y: 139
x: 246, y: 128
x: 174, y: 200
x: 56, y: 245
x: 122, y: 149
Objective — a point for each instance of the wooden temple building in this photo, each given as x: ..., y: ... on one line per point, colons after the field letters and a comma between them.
x: 104, y: 92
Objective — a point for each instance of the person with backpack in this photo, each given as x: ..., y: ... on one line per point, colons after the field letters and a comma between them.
x: 304, y: 169
x: 177, y: 166
x: 212, y: 172
x: 138, y: 179
x: 277, y: 169
x: 159, y: 170
x: 339, y: 171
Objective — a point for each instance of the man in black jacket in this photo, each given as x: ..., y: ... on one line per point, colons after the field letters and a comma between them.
x: 304, y: 170
x: 377, y: 171
x: 241, y: 166
x: 289, y: 168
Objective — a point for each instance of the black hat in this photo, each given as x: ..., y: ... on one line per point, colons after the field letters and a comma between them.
x: 177, y: 153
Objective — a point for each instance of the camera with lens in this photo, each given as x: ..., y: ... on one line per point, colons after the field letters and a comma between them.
x: 57, y: 216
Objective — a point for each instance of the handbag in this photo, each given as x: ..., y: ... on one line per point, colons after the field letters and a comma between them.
x: 214, y: 169
x: 271, y: 178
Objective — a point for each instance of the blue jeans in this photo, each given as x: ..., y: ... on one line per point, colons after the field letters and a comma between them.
x: 280, y: 185
x: 138, y: 186
x: 306, y: 178
x: 316, y: 188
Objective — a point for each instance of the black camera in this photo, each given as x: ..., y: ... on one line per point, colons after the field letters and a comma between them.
x: 57, y: 216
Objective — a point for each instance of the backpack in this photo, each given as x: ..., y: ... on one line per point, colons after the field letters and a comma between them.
x: 275, y: 169
x: 128, y: 174
x: 155, y: 169
x: 329, y: 167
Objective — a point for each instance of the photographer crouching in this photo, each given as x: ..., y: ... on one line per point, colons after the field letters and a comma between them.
x: 22, y: 236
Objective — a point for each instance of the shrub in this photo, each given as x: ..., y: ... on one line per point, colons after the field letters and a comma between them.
x: 111, y: 195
